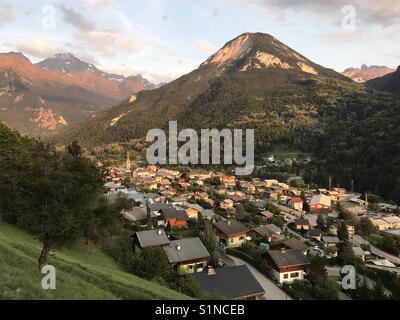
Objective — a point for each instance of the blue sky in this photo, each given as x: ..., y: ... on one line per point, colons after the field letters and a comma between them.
x: 163, y: 39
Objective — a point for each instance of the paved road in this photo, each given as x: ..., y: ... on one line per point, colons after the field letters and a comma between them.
x: 396, y: 270
x: 272, y: 291
x: 356, y: 239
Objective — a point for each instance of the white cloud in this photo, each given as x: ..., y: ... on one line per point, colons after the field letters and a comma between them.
x: 38, y: 48
x: 206, y: 47
x: 6, y: 13
x: 368, y: 12
x: 108, y: 41
x: 95, y: 4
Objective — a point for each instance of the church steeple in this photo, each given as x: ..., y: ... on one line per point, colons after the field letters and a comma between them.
x: 128, y: 161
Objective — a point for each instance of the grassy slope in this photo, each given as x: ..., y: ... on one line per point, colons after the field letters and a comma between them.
x: 82, y: 273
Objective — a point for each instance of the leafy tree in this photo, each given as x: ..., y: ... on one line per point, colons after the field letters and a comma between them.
x: 343, y: 233
x: 123, y: 203
x: 303, y: 197
x: 321, y: 224
x: 317, y: 270
x: 152, y: 263
x: 365, y: 227
x: 58, y: 195
x: 346, y: 254
x: 209, y: 240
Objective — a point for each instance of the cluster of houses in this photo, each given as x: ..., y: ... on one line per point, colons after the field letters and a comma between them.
x: 172, y: 200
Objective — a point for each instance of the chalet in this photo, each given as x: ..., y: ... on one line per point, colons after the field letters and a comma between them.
x: 174, y: 218
x: 288, y: 264
x: 351, y: 228
x: 235, y: 283
x: 296, y: 204
x: 260, y: 205
x: 221, y: 190
x: 187, y: 255
x: 236, y: 198
x: 330, y: 241
x: 266, y: 214
x: 232, y: 213
x: 228, y: 181
x: 208, y: 214
x: 381, y: 224
x: 330, y: 245
x: 320, y: 203
x: 273, y: 195
x: 137, y: 214
x: 193, y: 211
x: 156, y: 208
x: 226, y: 204
x: 270, y: 183
x: 360, y: 253
x: 283, y: 186
x: 269, y: 232
x: 393, y: 221
x: 150, y: 185
x: 199, y: 174
x: 290, y: 244
x: 231, y: 233
x: 149, y: 239
x: 302, y: 224
x: 315, y: 234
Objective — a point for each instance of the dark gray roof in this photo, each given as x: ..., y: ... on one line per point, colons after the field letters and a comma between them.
x: 174, y: 213
x: 152, y: 238
x: 159, y: 206
x: 328, y: 239
x: 287, y: 258
x: 302, y: 221
x: 230, y: 227
x: 190, y: 249
x: 230, y: 282
x: 136, y: 214
x: 207, y: 213
x: 314, y: 233
x: 263, y: 231
x: 273, y: 228
x: 296, y: 244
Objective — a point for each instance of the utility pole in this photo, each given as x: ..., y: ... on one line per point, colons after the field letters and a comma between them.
x: 330, y: 183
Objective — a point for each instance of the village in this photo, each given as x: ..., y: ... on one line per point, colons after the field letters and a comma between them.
x: 266, y: 232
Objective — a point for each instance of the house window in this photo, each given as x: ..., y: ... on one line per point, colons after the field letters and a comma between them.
x: 231, y: 240
x: 241, y: 238
x: 286, y: 276
x: 295, y: 275
x: 199, y: 266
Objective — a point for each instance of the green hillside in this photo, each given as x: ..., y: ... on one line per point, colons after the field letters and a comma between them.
x: 82, y: 273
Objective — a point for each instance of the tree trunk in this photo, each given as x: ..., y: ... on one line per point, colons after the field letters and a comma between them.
x: 42, y: 261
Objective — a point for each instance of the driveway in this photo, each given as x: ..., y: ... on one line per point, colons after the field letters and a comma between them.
x: 272, y: 291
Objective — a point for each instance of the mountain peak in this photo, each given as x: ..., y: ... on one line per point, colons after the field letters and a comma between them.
x: 366, y: 73
x: 261, y: 51
x: 15, y: 55
x: 65, y: 56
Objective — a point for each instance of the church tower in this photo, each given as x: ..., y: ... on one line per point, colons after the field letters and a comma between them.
x: 128, y: 161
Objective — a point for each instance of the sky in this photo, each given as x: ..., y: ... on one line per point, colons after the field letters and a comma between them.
x: 164, y: 39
